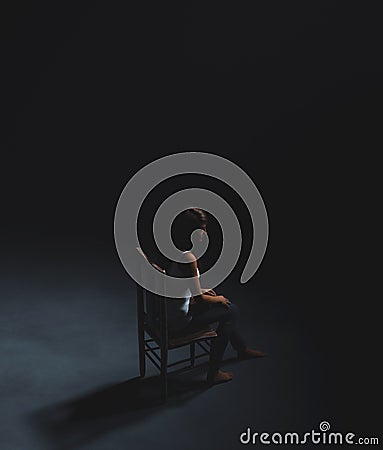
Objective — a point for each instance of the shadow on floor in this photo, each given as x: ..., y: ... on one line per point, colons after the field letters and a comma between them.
x: 82, y: 420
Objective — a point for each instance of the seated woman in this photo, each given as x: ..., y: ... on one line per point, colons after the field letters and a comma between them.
x: 190, y: 313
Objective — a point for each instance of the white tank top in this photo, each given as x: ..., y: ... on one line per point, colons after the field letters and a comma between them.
x: 178, y: 308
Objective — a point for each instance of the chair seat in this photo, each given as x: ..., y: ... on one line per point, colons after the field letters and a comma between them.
x: 183, y: 339
x: 197, y: 335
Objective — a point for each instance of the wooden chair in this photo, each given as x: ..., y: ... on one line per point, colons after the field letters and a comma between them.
x: 154, y: 341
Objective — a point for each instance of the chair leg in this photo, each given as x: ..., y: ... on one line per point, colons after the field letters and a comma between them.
x: 192, y: 354
x: 142, y: 360
x: 164, y: 374
x: 141, y: 329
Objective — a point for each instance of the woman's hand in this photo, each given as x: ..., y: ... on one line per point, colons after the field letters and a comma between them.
x: 210, y: 292
x: 209, y: 298
x: 225, y: 301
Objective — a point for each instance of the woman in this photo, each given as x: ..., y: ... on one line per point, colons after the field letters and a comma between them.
x: 190, y: 313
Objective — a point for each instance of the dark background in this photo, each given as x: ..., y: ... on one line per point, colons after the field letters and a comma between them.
x: 289, y: 91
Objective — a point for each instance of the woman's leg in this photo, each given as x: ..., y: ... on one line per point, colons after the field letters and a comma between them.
x: 238, y: 343
x: 226, y: 316
x: 236, y: 339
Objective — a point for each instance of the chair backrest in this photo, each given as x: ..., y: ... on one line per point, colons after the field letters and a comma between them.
x: 153, y: 307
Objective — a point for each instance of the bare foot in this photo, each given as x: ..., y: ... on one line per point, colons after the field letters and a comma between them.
x: 249, y: 353
x: 219, y: 377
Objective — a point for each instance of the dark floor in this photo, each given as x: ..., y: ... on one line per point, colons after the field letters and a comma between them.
x: 69, y: 376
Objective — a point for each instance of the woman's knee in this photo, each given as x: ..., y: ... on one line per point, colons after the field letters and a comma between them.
x: 234, y: 309
x: 231, y: 313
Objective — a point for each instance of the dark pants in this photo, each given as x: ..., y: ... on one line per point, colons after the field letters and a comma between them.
x: 208, y: 313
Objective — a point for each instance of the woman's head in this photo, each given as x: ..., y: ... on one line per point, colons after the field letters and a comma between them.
x: 184, y: 224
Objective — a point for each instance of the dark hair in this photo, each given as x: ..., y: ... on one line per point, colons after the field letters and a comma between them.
x: 184, y: 225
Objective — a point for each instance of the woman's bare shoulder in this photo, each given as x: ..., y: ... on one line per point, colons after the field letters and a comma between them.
x: 188, y: 257
x: 189, y: 265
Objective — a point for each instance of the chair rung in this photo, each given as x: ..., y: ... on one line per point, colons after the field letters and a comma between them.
x: 152, y: 360
x: 152, y: 348
x: 206, y: 350
x: 185, y: 360
x: 200, y: 355
x: 179, y: 362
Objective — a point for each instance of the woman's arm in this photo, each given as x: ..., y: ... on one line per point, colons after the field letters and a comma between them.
x: 213, y: 299
x: 211, y: 292
x: 190, y: 269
